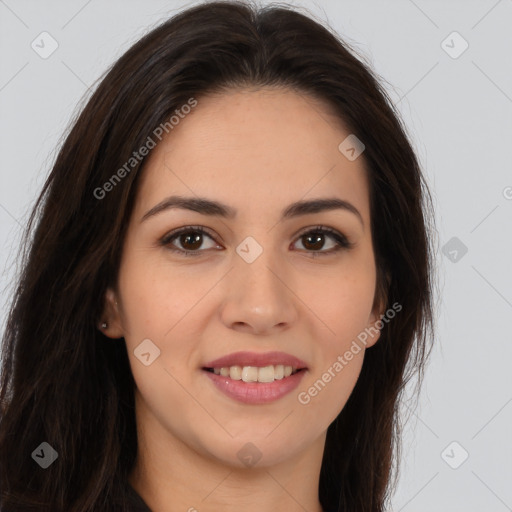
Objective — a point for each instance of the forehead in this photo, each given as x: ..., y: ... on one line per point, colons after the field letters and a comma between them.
x: 255, y: 150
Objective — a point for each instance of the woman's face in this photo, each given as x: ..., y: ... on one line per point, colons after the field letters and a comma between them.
x: 259, y: 280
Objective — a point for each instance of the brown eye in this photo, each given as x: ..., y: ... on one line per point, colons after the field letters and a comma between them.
x: 187, y: 241
x: 314, y: 241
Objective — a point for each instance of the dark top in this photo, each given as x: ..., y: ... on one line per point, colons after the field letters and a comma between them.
x: 137, y: 504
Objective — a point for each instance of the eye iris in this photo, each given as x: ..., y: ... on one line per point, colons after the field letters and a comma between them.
x: 196, y: 240
x: 318, y: 240
x: 192, y: 240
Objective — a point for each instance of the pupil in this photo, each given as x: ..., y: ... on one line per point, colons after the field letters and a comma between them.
x: 317, y: 244
x: 196, y: 244
x: 194, y: 241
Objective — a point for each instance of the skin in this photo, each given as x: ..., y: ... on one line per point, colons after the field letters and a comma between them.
x: 257, y: 150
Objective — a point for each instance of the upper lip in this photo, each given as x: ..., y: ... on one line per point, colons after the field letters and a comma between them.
x: 256, y: 359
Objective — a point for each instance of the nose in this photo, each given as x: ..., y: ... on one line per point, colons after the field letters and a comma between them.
x: 259, y: 297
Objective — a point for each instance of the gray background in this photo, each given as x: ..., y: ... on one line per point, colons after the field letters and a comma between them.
x: 459, y: 114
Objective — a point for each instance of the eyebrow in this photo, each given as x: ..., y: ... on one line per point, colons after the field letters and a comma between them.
x: 206, y: 206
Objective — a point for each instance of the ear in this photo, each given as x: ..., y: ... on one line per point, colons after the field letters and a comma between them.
x: 375, y: 323
x: 111, y: 316
x: 372, y: 328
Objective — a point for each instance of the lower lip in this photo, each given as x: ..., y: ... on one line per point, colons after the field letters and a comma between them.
x: 256, y: 392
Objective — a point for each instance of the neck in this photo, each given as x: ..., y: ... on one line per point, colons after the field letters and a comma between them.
x: 171, y: 476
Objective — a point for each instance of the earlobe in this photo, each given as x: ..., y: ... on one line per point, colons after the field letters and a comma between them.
x: 110, y: 323
x: 373, y: 334
x: 375, y: 324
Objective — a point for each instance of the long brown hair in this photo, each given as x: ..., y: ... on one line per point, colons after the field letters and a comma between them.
x: 65, y: 384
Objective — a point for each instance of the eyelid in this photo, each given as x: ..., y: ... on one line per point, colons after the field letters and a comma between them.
x: 340, y: 239
x: 166, y: 239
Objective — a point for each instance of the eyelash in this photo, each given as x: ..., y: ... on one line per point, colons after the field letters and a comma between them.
x: 341, y: 240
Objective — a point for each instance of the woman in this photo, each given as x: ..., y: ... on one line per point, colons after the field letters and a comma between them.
x: 228, y: 285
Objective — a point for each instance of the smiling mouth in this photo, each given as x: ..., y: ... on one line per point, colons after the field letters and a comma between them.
x: 256, y: 373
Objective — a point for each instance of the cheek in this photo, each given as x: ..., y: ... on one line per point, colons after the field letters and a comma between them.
x: 157, y: 297
x: 326, y: 391
x: 158, y: 305
x: 327, y: 395
x: 155, y: 307
x: 342, y: 302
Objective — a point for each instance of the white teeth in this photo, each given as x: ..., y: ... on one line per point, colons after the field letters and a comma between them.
x: 235, y: 372
x: 255, y: 373
x: 266, y: 374
x: 250, y: 374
